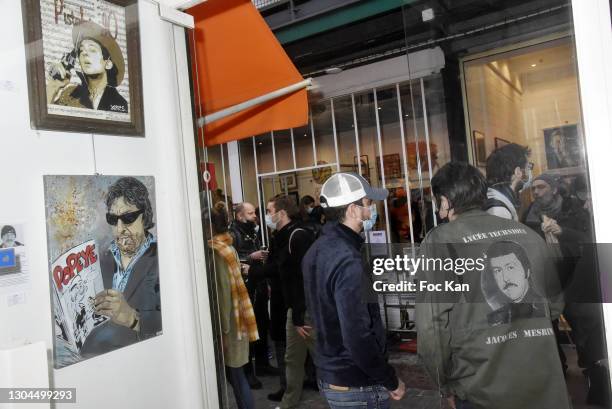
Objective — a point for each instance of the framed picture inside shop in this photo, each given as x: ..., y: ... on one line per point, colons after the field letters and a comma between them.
x: 83, y: 66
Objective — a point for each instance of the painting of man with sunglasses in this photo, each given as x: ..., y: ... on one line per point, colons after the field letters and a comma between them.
x: 115, y: 216
x: 130, y: 271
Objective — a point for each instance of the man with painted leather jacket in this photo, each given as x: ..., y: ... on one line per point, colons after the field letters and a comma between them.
x: 492, y: 344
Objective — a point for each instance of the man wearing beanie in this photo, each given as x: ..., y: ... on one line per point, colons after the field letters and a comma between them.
x: 564, y: 223
x: 9, y: 236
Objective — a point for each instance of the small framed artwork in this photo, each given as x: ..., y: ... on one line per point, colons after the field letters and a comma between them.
x: 480, y: 151
x: 564, y: 147
x: 296, y: 197
x: 83, y: 66
x: 391, y: 165
x: 499, y: 142
x: 288, y: 181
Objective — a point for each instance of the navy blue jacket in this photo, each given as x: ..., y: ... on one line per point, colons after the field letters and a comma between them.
x: 351, y: 341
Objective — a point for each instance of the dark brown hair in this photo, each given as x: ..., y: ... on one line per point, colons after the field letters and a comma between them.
x: 502, y: 162
x: 135, y: 193
x: 286, y: 203
x: 218, y: 218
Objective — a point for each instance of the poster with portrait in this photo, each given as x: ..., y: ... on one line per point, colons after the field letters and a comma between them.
x: 84, y: 65
x: 564, y: 148
x: 103, y: 266
x: 14, y: 265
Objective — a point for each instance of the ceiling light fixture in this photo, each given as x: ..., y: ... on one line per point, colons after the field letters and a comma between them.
x: 333, y: 70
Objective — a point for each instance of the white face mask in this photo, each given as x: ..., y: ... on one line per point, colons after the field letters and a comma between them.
x: 309, y: 210
x: 368, y: 224
x: 271, y: 224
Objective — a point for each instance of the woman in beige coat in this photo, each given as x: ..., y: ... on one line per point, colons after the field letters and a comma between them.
x: 236, y: 315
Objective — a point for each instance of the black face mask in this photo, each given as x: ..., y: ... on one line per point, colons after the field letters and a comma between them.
x: 250, y: 225
x: 519, y: 187
x: 441, y: 219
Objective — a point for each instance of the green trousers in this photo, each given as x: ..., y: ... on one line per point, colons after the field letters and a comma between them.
x: 295, y: 357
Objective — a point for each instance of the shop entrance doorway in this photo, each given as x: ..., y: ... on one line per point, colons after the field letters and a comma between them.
x: 394, y: 135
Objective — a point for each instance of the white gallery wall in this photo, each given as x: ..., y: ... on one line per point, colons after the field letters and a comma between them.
x: 163, y: 372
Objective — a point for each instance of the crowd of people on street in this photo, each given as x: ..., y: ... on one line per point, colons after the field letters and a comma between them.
x: 496, y: 347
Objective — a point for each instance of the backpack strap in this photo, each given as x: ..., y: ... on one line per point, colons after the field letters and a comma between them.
x: 291, y: 236
x: 496, y: 198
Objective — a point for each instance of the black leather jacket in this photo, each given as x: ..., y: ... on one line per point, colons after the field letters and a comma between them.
x: 246, y: 239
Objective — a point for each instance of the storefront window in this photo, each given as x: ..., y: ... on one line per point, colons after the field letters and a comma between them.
x: 394, y: 165
x: 345, y: 129
x: 321, y: 114
x: 283, y: 150
x: 304, y: 156
x: 540, y: 108
x: 248, y: 173
x: 266, y: 158
x: 474, y: 78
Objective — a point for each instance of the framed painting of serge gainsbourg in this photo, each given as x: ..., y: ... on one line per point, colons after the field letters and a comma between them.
x: 83, y: 66
x: 94, y: 225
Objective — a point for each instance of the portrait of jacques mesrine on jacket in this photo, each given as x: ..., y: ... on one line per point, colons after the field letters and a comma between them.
x: 507, y: 284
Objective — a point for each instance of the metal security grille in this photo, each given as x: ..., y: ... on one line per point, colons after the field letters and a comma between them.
x: 382, y: 133
x: 263, y: 3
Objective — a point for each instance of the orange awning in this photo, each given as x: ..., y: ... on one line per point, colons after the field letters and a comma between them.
x: 237, y: 58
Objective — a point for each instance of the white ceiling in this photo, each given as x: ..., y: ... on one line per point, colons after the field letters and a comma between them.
x: 555, y: 57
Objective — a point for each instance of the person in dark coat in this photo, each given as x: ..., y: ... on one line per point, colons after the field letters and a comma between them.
x: 291, y: 240
x: 247, y: 242
x: 566, y: 224
x: 352, y: 357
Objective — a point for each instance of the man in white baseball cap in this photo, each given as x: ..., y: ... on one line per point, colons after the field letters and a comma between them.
x: 351, y: 359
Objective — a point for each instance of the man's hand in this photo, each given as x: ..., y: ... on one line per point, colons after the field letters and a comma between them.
x: 112, y: 304
x: 259, y: 255
x: 554, y: 228
x: 304, y: 331
x: 53, y: 85
x: 451, y: 402
x: 244, y: 268
x: 399, y: 392
x: 550, y: 225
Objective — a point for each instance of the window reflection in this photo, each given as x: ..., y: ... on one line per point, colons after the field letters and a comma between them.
x: 323, y: 132
x: 265, y: 157
x: 345, y: 129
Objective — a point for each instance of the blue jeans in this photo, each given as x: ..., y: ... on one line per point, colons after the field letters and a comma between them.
x: 365, y: 397
x: 240, y: 385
